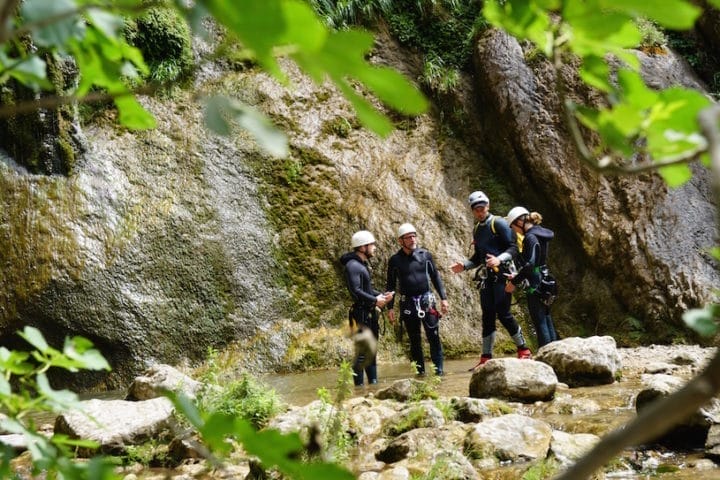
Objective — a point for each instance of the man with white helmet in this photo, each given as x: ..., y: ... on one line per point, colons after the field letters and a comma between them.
x: 494, y: 248
x: 363, y: 314
x: 415, y: 270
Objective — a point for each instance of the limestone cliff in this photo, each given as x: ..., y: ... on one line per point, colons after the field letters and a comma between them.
x: 164, y: 243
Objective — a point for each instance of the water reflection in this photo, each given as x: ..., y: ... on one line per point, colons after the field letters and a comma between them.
x: 301, y: 388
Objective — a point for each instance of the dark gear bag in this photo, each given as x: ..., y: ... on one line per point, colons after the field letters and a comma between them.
x: 548, y: 288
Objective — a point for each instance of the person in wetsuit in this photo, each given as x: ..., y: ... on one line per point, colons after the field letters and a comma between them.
x: 363, y: 314
x: 495, y: 247
x: 532, y: 267
x: 415, y: 270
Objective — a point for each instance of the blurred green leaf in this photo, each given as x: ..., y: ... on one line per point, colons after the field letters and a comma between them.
x: 187, y: 408
x: 703, y: 320
x: 259, y: 24
x: 216, y: 429
x: 53, y: 22
x: 35, y: 338
x: 673, y: 14
x: 14, y: 362
x: 675, y: 175
x: 303, y: 27
x: 30, y: 71
x: 220, y: 110
x: 596, y: 73
x: 59, y: 400
x: 524, y: 19
x: 634, y: 91
x: 108, y: 23
x: 80, y: 350
x: 5, y: 388
x: 62, y: 439
x: 133, y: 115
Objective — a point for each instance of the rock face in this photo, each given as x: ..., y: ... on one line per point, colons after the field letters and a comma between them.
x: 165, y: 243
x: 627, y: 244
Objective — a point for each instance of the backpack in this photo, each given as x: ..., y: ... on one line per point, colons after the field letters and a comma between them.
x: 548, y: 288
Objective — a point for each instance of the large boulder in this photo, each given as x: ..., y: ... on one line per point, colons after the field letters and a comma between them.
x: 115, y: 424
x: 515, y: 380
x: 582, y: 361
x: 511, y: 437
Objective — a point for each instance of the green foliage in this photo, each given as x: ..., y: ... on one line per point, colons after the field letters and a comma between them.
x: 651, y: 34
x: 337, y: 440
x: 636, y: 329
x: 273, y: 449
x: 245, y: 398
x: 542, y: 470
x: 346, y: 13
x: 164, y: 39
x: 437, y: 77
x: 662, y: 124
x: 25, y: 392
x: 414, y: 418
x: 106, y: 62
x: 427, y: 389
x: 703, y: 320
x: 443, y: 30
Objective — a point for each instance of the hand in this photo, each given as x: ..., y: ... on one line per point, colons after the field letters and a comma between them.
x: 391, y: 316
x: 457, y: 267
x: 509, y: 287
x: 444, y: 307
x: 380, y: 300
x: 491, y: 261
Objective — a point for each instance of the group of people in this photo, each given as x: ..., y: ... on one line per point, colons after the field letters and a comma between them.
x: 509, y: 252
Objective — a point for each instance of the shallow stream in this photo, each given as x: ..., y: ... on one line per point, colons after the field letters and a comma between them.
x: 597, y: 410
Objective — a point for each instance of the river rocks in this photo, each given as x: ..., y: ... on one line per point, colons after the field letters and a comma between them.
x: 514, y: 380
x: 510, y: 438
x: 712, y: 443
x: 472, y: 410
x: 582, y: 361
x: 693, y: 432
x: 568, y: 447
x: 435, y: 451
x: 402, y: 390
x: 114, y: 424
x: 161, y: 378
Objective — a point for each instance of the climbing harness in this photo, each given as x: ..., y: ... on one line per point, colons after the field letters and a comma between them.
x: 418, y: 308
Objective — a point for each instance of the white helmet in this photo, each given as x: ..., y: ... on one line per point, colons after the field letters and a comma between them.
x: 405, y: 228
x: 515, y: 213
x: 477, y: 198
x: 363, y: 237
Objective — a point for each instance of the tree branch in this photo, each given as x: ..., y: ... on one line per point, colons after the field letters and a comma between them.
x: 7, y: 11
x: 665, y: 413
x: 54, y: 101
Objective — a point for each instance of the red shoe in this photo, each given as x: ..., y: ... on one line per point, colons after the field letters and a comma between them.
x: 524, y: 353
x: 483, y: 360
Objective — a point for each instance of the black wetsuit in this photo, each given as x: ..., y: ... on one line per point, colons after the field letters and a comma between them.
x: 494, y: 236
x: 362, y: 312
x: 533, y: 259
x: 415, y: 271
